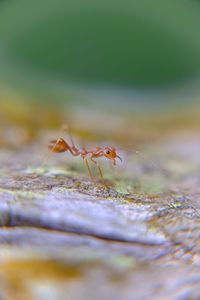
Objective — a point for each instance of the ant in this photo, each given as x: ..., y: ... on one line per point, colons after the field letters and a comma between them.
x: 60, y: 145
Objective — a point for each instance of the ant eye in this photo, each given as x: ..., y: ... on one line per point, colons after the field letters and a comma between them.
x: 107, y: 152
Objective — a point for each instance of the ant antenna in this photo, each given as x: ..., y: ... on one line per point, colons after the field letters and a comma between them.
x: 152, y: 162
x: 143, y: 156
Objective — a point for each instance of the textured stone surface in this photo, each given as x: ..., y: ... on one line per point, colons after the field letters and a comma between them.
x: 63, y: 236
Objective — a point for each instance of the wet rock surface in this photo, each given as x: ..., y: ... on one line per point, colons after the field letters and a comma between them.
x: 134, y: 236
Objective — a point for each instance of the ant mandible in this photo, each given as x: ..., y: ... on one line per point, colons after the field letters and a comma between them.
x: 60, y: 145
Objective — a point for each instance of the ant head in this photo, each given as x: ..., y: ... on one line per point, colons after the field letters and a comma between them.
x: 110, y: 153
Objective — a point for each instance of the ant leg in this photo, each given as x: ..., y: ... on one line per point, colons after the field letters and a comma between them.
x: 73, y: 149
x: 100, y: 171
x: 49, y: 153
x: 88, y: 167
x: 99, y: 168
x: 67, y: 129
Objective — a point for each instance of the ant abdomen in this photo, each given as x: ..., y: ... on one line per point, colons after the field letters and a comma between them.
x: 58, y: 145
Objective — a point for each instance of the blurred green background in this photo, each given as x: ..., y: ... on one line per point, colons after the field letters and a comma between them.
x: 134, y: 44
x: 109, y: 57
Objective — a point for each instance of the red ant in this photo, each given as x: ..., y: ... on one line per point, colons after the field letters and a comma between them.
x: 60, y: 145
